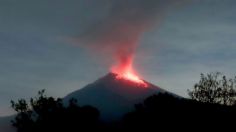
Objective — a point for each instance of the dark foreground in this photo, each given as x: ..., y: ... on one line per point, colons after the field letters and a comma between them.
x: 156, y: 113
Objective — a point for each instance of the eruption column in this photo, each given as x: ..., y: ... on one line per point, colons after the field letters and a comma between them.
x: 124, y: 70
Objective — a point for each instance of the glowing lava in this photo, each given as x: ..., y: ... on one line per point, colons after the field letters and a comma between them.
x: 126, y: 71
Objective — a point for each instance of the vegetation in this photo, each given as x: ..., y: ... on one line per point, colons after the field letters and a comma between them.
x: 44, y: 114
x: 212, y: 106
x: 215, y: 88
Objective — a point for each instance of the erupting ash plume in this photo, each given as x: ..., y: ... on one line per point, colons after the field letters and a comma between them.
x: 124, y: 70
x: 118, y: 35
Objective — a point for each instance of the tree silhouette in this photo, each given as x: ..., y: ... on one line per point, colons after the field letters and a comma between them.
x: 44, y: 114
x: 214, y: 88
x: 159, y: 111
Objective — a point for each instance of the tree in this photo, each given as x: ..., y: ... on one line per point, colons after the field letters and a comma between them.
x: 44, y: 113
x: 214, y: 88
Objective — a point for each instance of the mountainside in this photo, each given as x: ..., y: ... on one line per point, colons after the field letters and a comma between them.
x: 5, y: 124
x: 112, y: 96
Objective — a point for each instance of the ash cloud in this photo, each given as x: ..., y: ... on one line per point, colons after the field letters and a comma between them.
x: 117, y: 36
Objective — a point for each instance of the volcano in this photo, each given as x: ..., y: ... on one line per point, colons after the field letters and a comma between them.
x: 114, y: 96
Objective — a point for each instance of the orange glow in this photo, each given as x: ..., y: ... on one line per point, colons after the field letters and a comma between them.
x: 132, y: 77
x: 126, y: 71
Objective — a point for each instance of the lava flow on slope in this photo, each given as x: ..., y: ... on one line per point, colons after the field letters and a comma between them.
x: 124, y: 70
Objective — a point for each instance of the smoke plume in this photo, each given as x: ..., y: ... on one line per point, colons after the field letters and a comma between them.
x: 118, y: 35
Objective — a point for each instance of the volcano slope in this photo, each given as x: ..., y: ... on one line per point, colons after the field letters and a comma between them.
x: 114, y: 96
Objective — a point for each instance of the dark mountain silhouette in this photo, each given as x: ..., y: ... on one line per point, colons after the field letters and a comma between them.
x: 114, y: 97
x: 166, y: 112
x: 123, y: 105
x: 5, y: 124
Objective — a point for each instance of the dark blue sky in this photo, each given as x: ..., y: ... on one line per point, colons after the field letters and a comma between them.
x: 183, y: 41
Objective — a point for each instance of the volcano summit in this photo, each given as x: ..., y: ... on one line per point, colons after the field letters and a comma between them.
x: 113, y: 95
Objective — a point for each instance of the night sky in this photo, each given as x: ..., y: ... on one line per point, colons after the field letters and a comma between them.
x: 43, y: 44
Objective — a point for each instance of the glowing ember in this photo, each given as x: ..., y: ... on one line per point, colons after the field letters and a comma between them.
x: 125, y: 71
